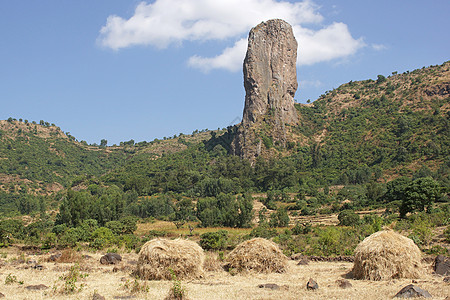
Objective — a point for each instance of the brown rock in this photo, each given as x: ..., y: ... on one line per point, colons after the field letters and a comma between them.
x: 412, y: 291
x: 2, y: 295
x: 54, y: 257
x: 97, y: 296
x: 312, y: 284
x: 442, y: 265
x: 110, y: 259
x: 270, y: 81
x: 447, y: 279
x: 37, y: 287
x: 271, y: 286
x: 343, y: 283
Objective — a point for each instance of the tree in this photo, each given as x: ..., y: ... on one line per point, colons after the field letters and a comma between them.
x: 348, y: 218
x: 245, y: 211
x: 74, y: 208
x: 395, y: 189
x: 381, y: 79
x: 419, y: 195
x: 103, y: 143
x: 279, y: 219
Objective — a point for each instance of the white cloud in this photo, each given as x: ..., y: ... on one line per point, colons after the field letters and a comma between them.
x: 331, y: 42
x: 163, y: 23
x: 230, y: 59
x: 379, y: 47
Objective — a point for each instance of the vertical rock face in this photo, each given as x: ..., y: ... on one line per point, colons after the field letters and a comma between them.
x: 270, y: 81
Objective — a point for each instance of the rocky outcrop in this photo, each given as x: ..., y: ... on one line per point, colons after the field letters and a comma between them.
x: 270, y: 81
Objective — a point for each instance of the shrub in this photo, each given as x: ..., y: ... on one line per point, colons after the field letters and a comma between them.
x: 421, y: 232
x: 348, y: 218
x: 263, y: 230
x: 447, y: 234
x: 102, y: 237
x: 214, y: 240
x: 116, y: 227
x: 279, y: 219
x: 177, y: 291
x: 329, y: 240
x: 303, y: 228
x: 70, y: 285
x: 70, y: 238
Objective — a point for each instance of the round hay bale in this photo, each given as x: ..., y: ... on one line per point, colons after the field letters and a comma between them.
x: 386, y: 255
x: 257, y: 255
x: 158, y: 256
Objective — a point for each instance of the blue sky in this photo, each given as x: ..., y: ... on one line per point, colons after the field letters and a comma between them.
x: 121, y: 70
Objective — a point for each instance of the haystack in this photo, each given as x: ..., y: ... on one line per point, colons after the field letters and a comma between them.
x: 385, y: 255
x: 257, y: 255
x: 159, y: 256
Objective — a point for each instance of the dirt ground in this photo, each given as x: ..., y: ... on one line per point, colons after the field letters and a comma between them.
x: 110, y: 281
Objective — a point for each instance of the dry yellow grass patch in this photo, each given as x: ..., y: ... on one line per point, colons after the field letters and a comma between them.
x: 217, y: 285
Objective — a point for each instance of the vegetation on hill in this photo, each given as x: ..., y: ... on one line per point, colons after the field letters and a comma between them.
x: 373, y: 144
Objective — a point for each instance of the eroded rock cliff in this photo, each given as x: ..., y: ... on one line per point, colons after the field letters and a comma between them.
x: 270, y: 81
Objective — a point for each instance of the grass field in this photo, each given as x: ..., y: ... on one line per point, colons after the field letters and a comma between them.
x: 112, y: 281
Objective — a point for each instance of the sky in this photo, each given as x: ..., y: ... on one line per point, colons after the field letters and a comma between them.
x: 121, y: 70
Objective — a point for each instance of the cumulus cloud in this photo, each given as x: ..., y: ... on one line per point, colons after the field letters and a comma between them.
x: 230, y: 59
x: 164, y: 23
x: 331, y: 42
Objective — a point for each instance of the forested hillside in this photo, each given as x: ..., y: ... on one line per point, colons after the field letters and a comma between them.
x: 373, y: 144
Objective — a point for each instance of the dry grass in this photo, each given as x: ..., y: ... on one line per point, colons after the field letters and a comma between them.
x: 69, y: 256
x: 172, y: 230
x: 257, y: 255
x: 212, y: 262
x: 214, y: 285
x: 159, y: 257
x: 387, y: 255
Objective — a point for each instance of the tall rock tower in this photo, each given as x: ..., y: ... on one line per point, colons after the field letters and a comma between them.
x: 270, y: 81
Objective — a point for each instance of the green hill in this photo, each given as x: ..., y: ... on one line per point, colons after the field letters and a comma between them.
x: 362, y: 133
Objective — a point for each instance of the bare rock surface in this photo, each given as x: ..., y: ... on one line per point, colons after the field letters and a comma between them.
x: 442, y: 265
x: 110, y: 259
x: 312, y: 284
x: 412, y: 291
x: 270, y: 81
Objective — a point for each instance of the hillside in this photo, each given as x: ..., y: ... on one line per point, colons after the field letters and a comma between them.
x: 398, y: 124
x: 361, y: 132
x: 43, y: 159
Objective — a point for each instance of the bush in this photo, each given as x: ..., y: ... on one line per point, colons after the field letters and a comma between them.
x: 304, y: 228
x: 263, y: 230
x: 348, y: 218
x: 116, y: 227
x: 279, y: 219
x: 329, y: 240
x: 447, y: 234
x: 70, y: 238
x: 102, y: 237
x: 214, y: 240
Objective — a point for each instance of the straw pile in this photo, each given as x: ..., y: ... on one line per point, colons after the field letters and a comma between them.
x: 157, y: 257
x: 257, y: 255
x: 386, y: 255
